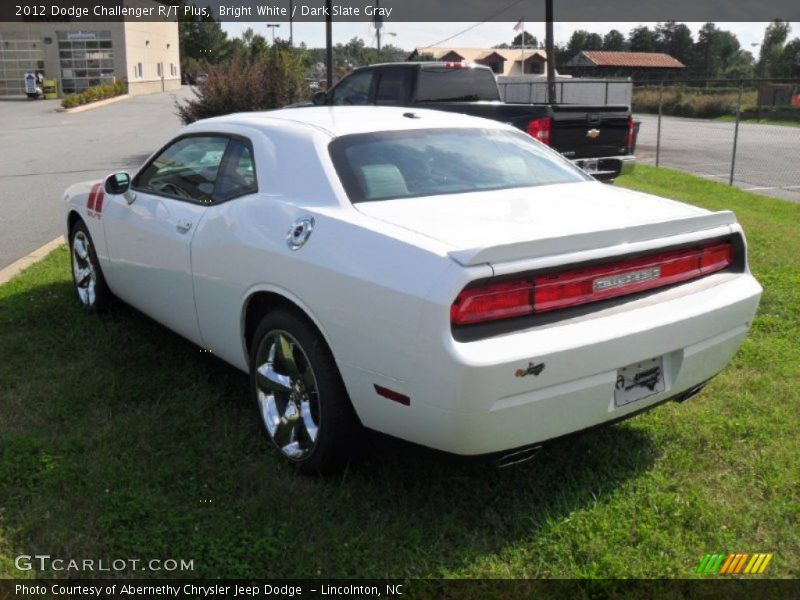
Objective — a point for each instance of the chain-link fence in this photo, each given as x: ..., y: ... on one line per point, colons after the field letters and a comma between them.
x: 743, y: 133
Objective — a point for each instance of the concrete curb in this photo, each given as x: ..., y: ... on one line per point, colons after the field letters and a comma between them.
x: 92, y: 105
x: 23, y: 263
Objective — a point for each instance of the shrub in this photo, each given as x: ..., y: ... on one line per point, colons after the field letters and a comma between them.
x: 247, y: 82
x: 70, y: 101
x: 687, y: 102
x: 93, y: 94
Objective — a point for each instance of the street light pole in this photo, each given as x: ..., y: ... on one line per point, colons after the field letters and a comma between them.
x: 272, y: 27
x: 328, y: 44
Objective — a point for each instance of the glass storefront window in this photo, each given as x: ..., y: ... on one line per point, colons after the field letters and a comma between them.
x: 87, y: 59
x: 19, y: 54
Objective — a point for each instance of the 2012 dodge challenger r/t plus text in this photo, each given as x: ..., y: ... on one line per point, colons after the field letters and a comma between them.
x: 441, y: 278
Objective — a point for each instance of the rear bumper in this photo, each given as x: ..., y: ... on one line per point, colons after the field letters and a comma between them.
x: 607, y: 168
x: 471, y: 401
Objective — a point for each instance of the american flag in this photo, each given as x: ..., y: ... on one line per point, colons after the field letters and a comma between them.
x: 519, y: 26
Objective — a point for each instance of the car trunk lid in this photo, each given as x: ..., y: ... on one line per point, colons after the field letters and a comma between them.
x: 501, y: 226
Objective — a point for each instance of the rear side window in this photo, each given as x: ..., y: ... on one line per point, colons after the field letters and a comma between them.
x: 238, y: 174
x: 354, y: 90
x: 443, y: 84
x: 393, y: 87
x: 187, y: 169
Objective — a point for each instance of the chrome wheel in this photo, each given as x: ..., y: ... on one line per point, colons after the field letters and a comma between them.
x: 287, y: 393
x: 83, y: 270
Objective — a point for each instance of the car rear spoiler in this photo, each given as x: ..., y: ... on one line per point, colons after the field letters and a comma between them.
x: 592, y: 240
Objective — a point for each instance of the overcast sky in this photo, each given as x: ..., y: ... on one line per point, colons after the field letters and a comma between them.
x: 411, y: 35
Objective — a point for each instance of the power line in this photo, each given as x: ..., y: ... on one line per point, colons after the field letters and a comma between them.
x: 471, y: 27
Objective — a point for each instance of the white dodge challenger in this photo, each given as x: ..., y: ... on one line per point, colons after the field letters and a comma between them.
x: 440, y: 278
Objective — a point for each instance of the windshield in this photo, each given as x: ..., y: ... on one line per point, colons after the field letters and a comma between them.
x: 443, y: 84
x: 407, y: 164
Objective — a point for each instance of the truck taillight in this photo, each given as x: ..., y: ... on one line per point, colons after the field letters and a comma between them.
x: 629, y: 138
x: 564, y: 289
x: 540, y: 129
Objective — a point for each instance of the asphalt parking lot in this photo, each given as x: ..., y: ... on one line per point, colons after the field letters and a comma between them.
x: 45, y: 151
x: 767, y: 157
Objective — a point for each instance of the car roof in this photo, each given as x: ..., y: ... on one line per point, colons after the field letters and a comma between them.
x: 345, y: 120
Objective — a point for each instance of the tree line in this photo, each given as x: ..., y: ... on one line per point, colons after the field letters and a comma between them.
x: 715, y: 53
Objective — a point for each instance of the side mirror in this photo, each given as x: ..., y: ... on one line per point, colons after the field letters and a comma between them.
x: 117, y: 184
x: 319, y: 99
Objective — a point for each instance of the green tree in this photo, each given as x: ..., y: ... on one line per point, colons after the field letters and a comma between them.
x: 581, y: 40
x: 675, y: 39
x: 614, y: 41
x: 791, y: 58
x: 770, y: 59
x: 642, y: 39
x: 202, y: 39
x: 524, y: 39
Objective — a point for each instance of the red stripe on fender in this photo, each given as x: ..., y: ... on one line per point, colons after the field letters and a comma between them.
x: 98, y: 200
x: 92, y: 196
x: 392, y: 395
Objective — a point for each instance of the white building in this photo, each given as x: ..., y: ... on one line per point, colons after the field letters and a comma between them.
x: 503, y: 61
x: 83, y: 54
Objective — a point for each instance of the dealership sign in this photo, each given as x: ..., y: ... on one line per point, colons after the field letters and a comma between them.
x: 76, y: 36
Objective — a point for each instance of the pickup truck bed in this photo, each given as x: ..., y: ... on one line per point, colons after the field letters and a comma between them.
x: 599, y: 139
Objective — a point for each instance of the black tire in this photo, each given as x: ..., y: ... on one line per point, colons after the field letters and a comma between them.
x: 93, y: 293
x: 315, y: 431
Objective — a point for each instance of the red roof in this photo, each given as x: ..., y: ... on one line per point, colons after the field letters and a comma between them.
x: 633, y: 59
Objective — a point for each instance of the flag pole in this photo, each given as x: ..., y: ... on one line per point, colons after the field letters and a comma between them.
x: 522, y: 48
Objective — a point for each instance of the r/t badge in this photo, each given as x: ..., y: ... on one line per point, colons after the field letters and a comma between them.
x: 533, y: 369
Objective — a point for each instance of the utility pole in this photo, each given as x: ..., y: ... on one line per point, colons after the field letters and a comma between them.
x: 378, y: 25
x: 329, y: 43
x: 551, y: 55
x: 291, y: 28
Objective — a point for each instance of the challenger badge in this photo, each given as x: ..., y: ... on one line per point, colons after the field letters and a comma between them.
x: 605, y: 283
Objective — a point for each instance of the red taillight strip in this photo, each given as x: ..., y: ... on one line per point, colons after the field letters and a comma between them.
x: 571, y: 288
x: 500, y: 300
x: 544, y: 293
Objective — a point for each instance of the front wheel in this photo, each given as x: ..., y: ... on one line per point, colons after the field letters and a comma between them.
x: 300, y: 396
x: 87, y: 276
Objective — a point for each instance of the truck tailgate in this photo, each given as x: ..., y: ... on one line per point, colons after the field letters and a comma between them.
x: 589, y: 131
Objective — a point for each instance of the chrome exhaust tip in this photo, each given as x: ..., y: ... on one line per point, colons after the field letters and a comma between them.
x: 517, y: 457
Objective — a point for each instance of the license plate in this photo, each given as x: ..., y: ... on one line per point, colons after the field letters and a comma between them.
x: 638, y: 381
x: 591, y: 166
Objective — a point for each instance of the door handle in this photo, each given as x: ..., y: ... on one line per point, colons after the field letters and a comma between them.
x: 183, y: 226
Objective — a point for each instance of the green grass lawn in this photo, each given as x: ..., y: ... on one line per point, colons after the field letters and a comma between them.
x: 764, y: 121
x: 120, y: 439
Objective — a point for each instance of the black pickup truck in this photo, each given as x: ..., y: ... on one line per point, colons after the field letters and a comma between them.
x: 598, y: 139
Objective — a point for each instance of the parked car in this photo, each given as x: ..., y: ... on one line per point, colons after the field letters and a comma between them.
x: 599, y: 139
x: 441, y: 278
